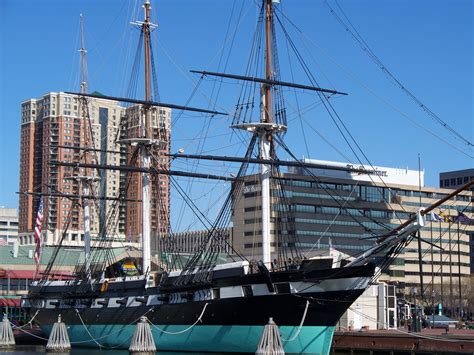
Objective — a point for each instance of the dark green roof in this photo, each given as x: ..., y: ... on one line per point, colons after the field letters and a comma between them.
x: 67, y: 255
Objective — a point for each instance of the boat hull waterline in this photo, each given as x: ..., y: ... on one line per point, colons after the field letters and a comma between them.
x: 206, y: 338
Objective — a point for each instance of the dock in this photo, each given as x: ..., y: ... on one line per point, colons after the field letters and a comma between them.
x: 396, y: 341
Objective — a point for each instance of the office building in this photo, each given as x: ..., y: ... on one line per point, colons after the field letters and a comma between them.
x: 8, y: 226
x: 348, y: 211
x: 455, y: 179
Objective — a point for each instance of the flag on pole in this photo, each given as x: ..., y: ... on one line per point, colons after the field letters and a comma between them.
x: 38, y: 225
x: 435, y: 217
x: 463, y: 219
x: 445, y: 217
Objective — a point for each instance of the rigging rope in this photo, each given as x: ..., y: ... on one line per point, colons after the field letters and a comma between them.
x: 338, y: 122
x: 360, y: 82
x: 370, y: 53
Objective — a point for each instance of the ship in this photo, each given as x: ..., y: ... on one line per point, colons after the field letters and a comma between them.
x: 209, y: 305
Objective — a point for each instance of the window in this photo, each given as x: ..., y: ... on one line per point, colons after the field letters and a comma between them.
x: 283, y: 287
x: 446, y: 183
x: 459, y: 181
x: 247, y: 290
x: 216, y: 293
x: 440, y: 183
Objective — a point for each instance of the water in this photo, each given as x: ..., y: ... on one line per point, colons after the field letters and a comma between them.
x: 40, y: 349
x: 36, y: 350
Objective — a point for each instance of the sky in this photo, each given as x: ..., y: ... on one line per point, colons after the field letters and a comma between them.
x: 426, y: 44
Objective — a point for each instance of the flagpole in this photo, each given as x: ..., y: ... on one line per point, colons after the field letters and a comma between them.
x: 420, y: 258
x: 459, y: 268
x: 432, y: 265
x: 441, y: 263
x: 450, y: 267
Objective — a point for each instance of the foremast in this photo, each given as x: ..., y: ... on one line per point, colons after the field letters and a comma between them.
x: 145, y: 142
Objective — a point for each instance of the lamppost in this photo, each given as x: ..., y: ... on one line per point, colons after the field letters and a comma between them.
x: 433, y: 308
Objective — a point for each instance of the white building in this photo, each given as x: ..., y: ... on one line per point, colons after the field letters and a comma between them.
x: 8, y: 225
x: 400, y: 176
x: 376, y: 308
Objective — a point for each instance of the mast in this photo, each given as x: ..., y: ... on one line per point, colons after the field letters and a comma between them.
x: 144, y: 145
x: 266, y: 139
x: 85, y: 178
x: 268, y: 60
x: 265, y: 129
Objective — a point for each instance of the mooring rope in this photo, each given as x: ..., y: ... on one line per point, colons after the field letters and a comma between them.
x: 184, y: 330
x: 301, y: 324
x: 24, y: 325
x: 87, y: 330
x: 105, y: 336
x: 32, y: 334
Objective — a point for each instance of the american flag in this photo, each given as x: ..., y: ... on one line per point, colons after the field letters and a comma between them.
x: 39, y: 222
x: 3, y: 240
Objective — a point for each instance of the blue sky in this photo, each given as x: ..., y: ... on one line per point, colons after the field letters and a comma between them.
x: 427, y: 44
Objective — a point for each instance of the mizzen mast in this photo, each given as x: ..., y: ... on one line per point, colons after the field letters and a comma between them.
x: 85, y: 179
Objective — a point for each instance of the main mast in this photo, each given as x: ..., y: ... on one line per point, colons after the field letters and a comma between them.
x: 265, y: 129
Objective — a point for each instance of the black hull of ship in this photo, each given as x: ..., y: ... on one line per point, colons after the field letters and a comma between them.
x: 310, y: 314
x: 324, y: 310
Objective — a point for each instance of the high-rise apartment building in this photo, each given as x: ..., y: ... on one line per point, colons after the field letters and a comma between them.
x: 160, y: 183
x: 347, y: 211
x: 49, y: 125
